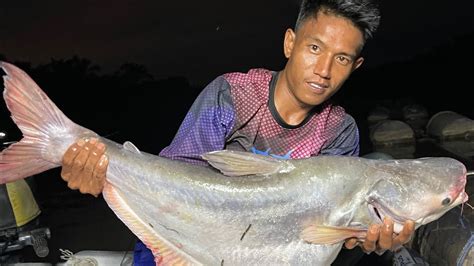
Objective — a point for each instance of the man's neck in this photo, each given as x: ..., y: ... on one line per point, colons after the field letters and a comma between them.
x: 289, y: 109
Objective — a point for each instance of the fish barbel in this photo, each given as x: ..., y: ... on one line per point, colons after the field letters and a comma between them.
x: 247, y: 209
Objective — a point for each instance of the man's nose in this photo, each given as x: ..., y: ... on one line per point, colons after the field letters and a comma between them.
x: 322, y: 66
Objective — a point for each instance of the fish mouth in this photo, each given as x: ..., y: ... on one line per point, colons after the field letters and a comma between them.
x: 379, y: 212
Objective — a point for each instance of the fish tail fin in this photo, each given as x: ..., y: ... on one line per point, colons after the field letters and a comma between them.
x: 322, y: 234
x: 47, y: 132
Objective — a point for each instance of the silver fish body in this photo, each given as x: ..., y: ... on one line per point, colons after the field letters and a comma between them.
x: 251, y: 220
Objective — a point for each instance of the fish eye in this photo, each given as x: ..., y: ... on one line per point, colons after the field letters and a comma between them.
x: 446, y: 201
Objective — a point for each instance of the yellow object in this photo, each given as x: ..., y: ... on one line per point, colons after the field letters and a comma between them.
x: 23, y: 203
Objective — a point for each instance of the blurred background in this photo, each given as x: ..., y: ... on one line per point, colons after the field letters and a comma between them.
x: 130, y: 70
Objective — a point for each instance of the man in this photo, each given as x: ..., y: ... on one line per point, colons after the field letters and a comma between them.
x: 285, y: 114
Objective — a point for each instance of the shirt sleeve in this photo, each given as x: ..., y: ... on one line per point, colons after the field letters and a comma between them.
x: 206, y: 125
x: 346, y: 140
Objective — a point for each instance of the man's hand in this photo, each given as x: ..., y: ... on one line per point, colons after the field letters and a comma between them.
x: 85, y: 165
x: 380, y: 237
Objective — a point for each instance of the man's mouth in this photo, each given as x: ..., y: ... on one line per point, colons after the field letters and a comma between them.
x: 317, y: 87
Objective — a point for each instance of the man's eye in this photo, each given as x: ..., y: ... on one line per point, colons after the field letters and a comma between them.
x: 314, y: 48
x: 343, y: 60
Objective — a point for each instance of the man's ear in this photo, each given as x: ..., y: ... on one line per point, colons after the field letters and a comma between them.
x: 289, y: 42
x: 358, y: 63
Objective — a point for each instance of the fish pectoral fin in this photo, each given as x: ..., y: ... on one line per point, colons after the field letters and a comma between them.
x: 131, y: 147
x: 323, y: 234
x: 237, y: 163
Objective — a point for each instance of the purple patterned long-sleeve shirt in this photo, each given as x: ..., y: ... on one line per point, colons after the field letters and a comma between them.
x: 237, y: 111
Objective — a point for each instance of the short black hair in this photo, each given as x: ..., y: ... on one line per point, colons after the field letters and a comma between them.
x: 364, y: 14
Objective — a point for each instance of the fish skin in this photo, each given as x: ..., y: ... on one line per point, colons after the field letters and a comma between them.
x: 195, y: 215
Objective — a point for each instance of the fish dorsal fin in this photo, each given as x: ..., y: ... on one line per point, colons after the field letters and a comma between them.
x: 323, y: 234
x: 237, y: 163
x: 131, y: 147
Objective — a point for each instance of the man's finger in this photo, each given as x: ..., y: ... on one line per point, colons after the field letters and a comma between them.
x: 72, y: 152
x: 405, y: 235
x: 101, y: 168
x: 77, y: 170
x: 81, y: 158
x: 98, y: 176
x: 371, y: 239
x: 69, y: 157
x: 95, y: 186
x: 386, y: 235
x: 95, y: 153
x: 351, y: 243
x: 407, y: 231
x: 74, y: 181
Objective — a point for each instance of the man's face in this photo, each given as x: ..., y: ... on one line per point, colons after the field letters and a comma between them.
x: 321, y: 54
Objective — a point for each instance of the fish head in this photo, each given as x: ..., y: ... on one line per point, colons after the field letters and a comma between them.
x: 421, y: 190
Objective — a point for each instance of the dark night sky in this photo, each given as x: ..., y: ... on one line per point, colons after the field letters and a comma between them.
x: 202, y: 39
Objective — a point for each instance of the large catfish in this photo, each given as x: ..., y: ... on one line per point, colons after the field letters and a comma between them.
x: 258, y: 211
